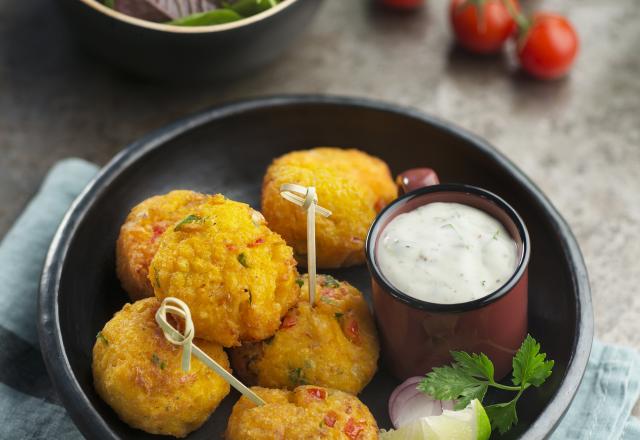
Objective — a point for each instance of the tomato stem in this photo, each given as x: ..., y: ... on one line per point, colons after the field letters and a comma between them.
x: 522, y: 21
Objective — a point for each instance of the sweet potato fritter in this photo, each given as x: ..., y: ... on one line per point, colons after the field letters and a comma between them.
x: 139, y: 237
x: 308, y: 412
x: 235, y: 274
x: 333, y: 344
x: 352, y: 184
x: 138, y: 373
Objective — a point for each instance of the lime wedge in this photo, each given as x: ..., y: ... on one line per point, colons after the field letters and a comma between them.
x: 470, y: 423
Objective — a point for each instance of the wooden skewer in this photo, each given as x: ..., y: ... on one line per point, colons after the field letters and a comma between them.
x: 174, y: 306
x: 305, y: 196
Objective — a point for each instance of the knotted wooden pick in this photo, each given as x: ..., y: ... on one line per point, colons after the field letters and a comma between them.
x: 305, y: 196
x: 177, y: 307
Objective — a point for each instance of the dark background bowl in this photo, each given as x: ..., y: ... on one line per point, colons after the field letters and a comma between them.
x: 186, y: 53
x: 226, y: 150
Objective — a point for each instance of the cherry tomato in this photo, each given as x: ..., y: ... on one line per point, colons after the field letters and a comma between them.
x: 482, y: 26
x: 548, y: 46
x: 406, y: 5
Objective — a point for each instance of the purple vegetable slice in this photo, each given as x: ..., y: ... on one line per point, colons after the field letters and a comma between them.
x: 162, y: 10
x: 407, y: 403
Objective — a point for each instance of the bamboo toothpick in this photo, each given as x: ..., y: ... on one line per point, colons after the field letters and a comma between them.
x: 174, y: 306
x: 305, y: 196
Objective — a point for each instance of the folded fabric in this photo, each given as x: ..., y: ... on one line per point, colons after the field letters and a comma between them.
x: 602, y: 407
x: 29, y: 407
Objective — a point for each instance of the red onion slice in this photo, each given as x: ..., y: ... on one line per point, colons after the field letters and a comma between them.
x: 407, y: 403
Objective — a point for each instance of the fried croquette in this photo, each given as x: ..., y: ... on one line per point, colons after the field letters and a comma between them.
x: 353, y: 185
x: 140, y: 233
x: 333, y: 344
x: 138, y: 373
x: 308, y: 412
x: 235, y: 274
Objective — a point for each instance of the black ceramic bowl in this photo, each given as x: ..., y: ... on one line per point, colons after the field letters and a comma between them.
x: 226, y: 150
x: 173, y: 52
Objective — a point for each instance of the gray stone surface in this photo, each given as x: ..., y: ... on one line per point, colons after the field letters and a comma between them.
x: 578, y: 138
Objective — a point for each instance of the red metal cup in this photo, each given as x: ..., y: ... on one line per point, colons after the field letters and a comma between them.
x: 417, y: 335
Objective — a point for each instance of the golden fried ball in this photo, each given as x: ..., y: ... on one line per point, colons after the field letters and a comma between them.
x: 308, y: 412
x: 352, y: 184
x: 333, y: 344
x: 138, y: 373
x: 140, y: 233
x: 235, y: 274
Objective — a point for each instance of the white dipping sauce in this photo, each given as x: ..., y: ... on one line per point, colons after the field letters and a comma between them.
x: 446, y: 253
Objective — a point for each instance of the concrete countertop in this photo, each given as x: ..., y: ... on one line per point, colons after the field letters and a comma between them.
x: 577, y: 138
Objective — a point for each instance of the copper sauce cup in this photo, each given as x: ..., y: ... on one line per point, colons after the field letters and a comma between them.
x: 417, y: 335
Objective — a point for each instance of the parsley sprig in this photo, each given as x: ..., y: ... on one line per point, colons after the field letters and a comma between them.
x: 470, y: 376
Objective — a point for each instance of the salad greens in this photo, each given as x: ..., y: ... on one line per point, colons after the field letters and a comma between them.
x: 191, y: 12
x: 470, y: 375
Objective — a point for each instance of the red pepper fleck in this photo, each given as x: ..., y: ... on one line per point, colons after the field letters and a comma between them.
x: 231, y: 247
x: 332, y: 293
x: 353, y: 429
x: 289, y: 321
x: 330, y: 419
x: 258, y: 242
x: 157, y: 232
x: 353, y: 330
x: 317, y: 393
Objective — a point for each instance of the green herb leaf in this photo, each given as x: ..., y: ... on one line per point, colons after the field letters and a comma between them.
x: 330, y: 281
x: 296, y: 377
x: 300, y: 282
x: 327, y: 300
x: 109, y: 3
x: 475, y: 365
x: 339, y: 315
x: 242, y: 258
x: 156, y: 277
x: 502, y: 415
x: 158, y: 362
x: 102, y: 338
x: 216, y: 16
x: 470, y: 375
x: 247, y: 8
x: 453, y: 383
x: 191, y: 218
x: 529, y: 365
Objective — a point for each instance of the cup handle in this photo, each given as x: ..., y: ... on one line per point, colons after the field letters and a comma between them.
x: 415, y: 178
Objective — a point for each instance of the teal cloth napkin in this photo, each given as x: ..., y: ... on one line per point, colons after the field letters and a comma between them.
x: 29, y: 407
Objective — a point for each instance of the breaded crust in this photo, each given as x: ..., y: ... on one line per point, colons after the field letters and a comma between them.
x: 308, y: 412
x: 139, y: 237
x: 333, y: 344
x: 138, y: 373
x: 235, y: 274
x: 352, y: 184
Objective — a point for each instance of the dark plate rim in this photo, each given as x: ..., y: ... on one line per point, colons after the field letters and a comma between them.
x: 77, y: 403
